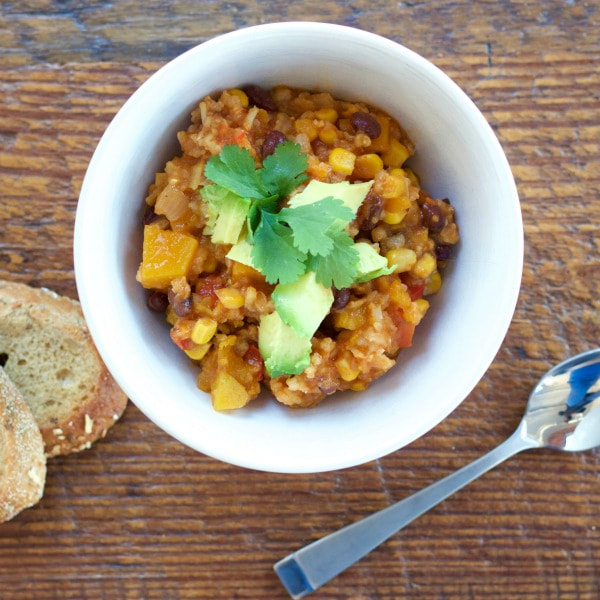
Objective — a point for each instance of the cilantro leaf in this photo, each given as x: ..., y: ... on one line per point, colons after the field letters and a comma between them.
x: 283, y: 171
x: 310, y: 223
x: 233, y: 168
x: 274, y: 253
x: 267, y: 204
x: 340, y: 266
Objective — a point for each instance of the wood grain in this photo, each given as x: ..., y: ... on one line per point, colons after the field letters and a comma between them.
x: 141, y: 516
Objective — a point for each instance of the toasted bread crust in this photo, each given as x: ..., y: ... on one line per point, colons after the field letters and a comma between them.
x: 103, y: 405
x: 22, y: 460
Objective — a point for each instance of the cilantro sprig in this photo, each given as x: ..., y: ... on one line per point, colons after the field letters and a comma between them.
x: 287, y: 242
x: 282, y: 172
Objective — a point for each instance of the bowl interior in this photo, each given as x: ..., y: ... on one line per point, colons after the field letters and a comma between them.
x: 457, y: 157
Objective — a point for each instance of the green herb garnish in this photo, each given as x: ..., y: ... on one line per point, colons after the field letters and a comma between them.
x: 285, y: 243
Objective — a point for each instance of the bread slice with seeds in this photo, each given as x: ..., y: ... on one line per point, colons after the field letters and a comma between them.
x: 47, y: 351
x: 22, y: 459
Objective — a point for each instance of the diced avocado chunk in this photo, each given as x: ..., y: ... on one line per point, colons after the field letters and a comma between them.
x: 303, y: 304
x: 212, y: 196
x: 370, y: 263
x: 232, y: 217
x: 282, y: 350
x: 351, y: 194
x: 241, y: 252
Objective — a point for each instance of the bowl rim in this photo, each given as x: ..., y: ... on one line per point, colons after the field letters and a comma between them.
x: 94, y: 319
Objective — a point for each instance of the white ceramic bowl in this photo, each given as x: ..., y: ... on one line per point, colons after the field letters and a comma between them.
x: 458, y: 157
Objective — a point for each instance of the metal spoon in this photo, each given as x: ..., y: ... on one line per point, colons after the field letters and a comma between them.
x: 563, y: 412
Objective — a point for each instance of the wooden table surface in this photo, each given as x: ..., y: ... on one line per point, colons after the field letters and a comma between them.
x: 141, y: 516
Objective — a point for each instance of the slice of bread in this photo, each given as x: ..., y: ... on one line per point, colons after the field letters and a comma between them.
x: 22, y: 459
x: 47, y: 351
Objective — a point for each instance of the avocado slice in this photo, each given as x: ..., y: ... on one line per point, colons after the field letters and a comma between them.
x: 232, y: 217
x: 351, y: 194
x: 282, y: 350
x: 370, y: 263
x: 241, y: 252
x: 303, y: 304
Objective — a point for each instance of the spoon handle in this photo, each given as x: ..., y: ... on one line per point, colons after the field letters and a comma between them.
x: 309, y: 568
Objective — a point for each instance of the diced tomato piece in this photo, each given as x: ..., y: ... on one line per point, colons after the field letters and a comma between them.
x: 207, y: 286
x: 416, y: 291
x: 404, y: 330
x: 184, y: 343
x: 405, y: 334
x: 253, y: 357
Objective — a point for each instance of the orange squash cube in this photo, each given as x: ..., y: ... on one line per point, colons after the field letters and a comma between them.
x: 381, y: 143
x: 165, y: 256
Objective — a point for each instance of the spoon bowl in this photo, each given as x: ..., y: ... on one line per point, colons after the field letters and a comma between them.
x: 562, y: 409
x: 563, y: 412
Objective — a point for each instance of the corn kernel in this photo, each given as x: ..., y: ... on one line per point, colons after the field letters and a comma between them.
x: 434, y: 283
x: 425, y: 266
x: 396, y: 154
x: 342, y: 161
x: 358, y: 386
x: 307, y: 127
x: 209, y: 265
x: 422, y: 305
x: 396, y: 204
x: 367, y: 166
x: 416, y: 311
x: 327, y: 114
x: 411, y: 314
x: 230, y: 298
x: 398, y: 172
x: 170, y: 315
x: 401, y: 258
x: 203, y: 331
x: 347, y: 372
x: 328, y: 134
x: 399, y: 294
x: 241, y: 95
x: 198, y: 352
x: 393, y: 218
x: 412, y: 176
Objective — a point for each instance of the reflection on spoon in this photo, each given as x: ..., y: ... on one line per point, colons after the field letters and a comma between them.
x: 582, y: 382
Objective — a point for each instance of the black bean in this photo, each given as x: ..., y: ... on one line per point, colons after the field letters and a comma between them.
x: 181, y: 306
x: 260, y: 97
x: 273, y: 139
x: 433, y: 217
x: 327, y: 328
x: 158, y: 301
x: 321, y: 150
x: 362, y: 121
x: 342, y: 297
x: 150, y: 216
x: 370, y: 211
x: 443, y: 252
